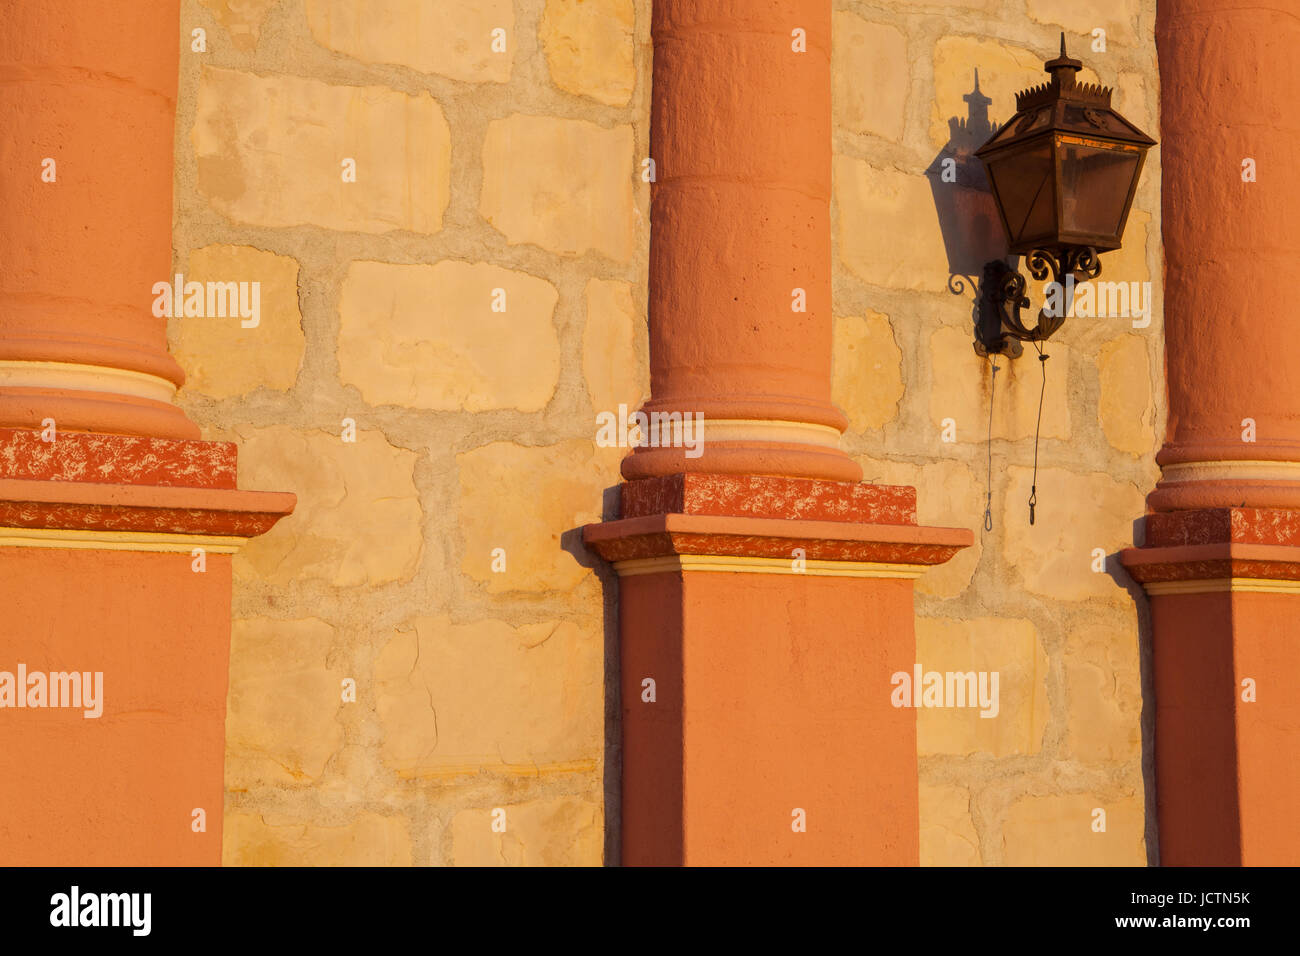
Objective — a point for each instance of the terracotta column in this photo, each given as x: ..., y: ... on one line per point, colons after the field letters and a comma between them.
x: 740, y: 131
x: 116, y: 528
x: 79, y: 255
x: 765, y: 596
x: 1221, y: 559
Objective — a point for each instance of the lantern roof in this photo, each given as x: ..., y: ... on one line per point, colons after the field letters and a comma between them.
x: 1064, y: 105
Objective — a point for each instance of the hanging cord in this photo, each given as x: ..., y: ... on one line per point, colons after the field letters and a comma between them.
x: 988, y: 499
x: 1042, y: 389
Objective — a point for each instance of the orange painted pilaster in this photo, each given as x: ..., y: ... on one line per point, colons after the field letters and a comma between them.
x: 1221, y: 558
x: 116, y: 528
x: 765, y: 595
x: 761, y: 620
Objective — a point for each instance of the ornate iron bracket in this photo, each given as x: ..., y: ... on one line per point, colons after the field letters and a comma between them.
x: 998, y: 326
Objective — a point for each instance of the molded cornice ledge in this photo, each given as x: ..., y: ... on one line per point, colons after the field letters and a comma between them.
x: 1218, y: 549
x: 689, y: 522
x: 127, y: 493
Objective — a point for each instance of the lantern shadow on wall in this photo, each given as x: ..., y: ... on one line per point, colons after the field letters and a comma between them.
x: 963, y: 200
x: 1062, y: 173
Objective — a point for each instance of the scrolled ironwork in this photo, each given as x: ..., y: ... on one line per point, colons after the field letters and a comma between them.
x: 1002, y: 295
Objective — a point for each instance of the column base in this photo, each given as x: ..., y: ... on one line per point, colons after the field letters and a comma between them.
x: 800, y: 439
x: 93, y: 412
x: 769, y: 615
x: 1204, y: 475
x: 1224, y: 585
x: 132, y: 397
x: 99, y: 584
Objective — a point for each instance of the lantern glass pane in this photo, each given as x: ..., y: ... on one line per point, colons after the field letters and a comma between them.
x: 1023, y: 181
x: 1095, y: 184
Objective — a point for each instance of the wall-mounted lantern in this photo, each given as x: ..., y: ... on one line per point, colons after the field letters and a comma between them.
x: 1064, y: 170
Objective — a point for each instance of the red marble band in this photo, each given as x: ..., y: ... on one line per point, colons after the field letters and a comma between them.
x: 766, y: 496
x: 1223, y: 525
x: 116, y: 459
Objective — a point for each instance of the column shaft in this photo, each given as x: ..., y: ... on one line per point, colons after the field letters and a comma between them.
x: 91, y: 86
x: 740, y: 215
x: 1232, y: 349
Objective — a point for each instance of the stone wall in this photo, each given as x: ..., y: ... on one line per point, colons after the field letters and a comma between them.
x: 469, y: 302
x: 485, y: 178
x: 1021, y: 788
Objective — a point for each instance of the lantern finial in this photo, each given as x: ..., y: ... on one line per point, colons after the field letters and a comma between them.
x: 1063, y: 63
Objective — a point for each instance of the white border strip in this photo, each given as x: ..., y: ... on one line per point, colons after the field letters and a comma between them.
x: 1242, y: 470
x: 671, y: 434
x: 1224, y: 585
x: 118, y: 540
x: 85, y: 378
x: 746, y: 565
